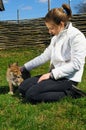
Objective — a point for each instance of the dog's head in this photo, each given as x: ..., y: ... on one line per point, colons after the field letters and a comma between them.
x: 14, y: 74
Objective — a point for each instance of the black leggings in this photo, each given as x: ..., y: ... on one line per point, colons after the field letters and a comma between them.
x: 46, y: 91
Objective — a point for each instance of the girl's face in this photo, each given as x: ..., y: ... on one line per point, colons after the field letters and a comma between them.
x: 53, y: 28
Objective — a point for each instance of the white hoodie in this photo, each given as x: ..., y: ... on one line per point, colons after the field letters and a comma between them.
x: 66, y: 52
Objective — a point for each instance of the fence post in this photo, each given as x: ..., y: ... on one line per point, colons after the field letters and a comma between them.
x: 17, y: 15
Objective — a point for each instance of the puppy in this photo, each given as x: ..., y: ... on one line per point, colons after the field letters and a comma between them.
x: 13, y: 76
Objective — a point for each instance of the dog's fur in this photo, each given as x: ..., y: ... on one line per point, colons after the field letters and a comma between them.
x: 13, y: 76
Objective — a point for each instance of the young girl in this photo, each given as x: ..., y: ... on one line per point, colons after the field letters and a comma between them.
x: 66, y: 54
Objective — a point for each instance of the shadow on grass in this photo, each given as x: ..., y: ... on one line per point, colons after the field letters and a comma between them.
x: 4, y: 89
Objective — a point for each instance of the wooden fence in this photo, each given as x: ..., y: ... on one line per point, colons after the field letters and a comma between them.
x: 31, y: 32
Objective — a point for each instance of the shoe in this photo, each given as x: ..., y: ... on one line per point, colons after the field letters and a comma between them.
x: 77, y: 92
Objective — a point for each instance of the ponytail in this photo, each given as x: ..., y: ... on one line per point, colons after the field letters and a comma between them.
x: 59, y: 14
x: 67, y: 10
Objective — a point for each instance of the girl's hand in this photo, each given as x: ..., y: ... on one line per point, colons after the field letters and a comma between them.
x: 44, y: 77
x: 25, y: 73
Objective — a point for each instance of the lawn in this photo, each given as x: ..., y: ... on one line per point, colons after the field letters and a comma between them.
x: 68, y: 114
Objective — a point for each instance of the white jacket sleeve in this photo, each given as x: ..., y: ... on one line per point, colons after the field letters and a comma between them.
x: 44, y: 57
x: 78, y: 53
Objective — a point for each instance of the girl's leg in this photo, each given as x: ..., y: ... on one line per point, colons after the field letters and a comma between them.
x: 26, y: 84
x: 48, y: 90
x: 46, y: 97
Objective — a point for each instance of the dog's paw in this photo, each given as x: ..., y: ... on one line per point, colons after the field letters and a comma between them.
x: 11, y: 93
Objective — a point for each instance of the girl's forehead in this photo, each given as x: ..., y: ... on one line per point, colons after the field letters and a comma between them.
x: 50, y: 24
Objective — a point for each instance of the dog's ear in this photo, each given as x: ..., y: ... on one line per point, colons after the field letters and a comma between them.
x: 9, y: 65
x: 15, y: 64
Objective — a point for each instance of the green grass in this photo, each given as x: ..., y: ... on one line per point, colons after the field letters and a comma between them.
x: 68, y: 114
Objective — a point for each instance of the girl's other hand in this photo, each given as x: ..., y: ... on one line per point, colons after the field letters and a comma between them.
x: 44, y: 77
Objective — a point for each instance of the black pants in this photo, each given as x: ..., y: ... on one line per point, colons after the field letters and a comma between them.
x: 46, y: 91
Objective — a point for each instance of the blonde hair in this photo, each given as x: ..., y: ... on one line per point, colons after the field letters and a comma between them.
x: 59, y: 14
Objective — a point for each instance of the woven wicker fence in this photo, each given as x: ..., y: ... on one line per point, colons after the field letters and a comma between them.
x: 31, y: 32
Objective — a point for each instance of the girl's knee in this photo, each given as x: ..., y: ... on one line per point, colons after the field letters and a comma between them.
x: 32, y: 93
